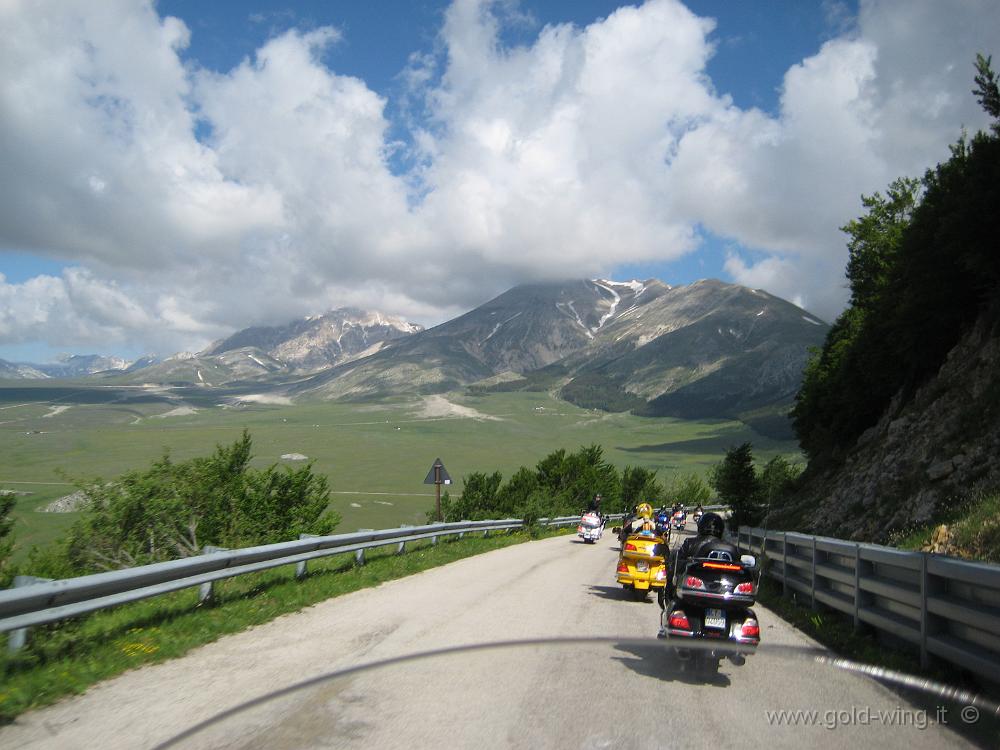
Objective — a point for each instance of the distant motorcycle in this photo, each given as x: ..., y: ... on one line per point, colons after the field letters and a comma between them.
x: 678, y: 520
x: 662, y: 519
x: 591, y: 527
x: 640, y: 568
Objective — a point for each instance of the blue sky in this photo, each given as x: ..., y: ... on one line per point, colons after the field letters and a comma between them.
x: 182, y: 169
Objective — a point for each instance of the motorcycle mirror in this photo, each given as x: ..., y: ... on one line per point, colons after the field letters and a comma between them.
x: 749, y: 561
x: 616, y: 530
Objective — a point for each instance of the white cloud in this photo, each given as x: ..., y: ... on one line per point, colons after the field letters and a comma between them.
x: 69, y: 309
x: 882, y: 101
x: 582, y: 150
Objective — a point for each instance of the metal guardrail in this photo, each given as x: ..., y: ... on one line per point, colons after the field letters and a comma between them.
x: 948, y: 608
x: 36, y: 601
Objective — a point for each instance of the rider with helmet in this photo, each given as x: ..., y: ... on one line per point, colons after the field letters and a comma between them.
x: 710, y: 530
x: 643, y: 520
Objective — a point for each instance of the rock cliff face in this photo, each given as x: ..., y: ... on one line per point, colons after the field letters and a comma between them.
x: 922, y: 456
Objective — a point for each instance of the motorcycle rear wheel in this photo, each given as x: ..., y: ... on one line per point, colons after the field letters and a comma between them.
x: 639, y: 595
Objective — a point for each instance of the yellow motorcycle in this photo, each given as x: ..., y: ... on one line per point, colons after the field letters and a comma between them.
x: 640, y: 568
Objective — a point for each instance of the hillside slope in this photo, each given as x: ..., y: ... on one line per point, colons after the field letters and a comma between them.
x: 523, y: 329
x: 706, y: 349
x: 922, y: 457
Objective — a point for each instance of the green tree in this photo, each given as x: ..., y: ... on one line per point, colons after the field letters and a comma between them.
x: 561, y: 484
x: 478, y: 500
x: 172, y: 509
x: 923, y: 269
x: 6, y: 538
x: 516, y: 493
x: 587, y: 473
x: 987, y: 92
x: 689, y: 489
x: 875, y: 239
x: 736, y: 482
x: 638, y: 484
x: 777, y: 481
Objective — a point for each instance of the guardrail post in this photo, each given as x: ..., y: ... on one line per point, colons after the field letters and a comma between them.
x: 18, y: 638
x: 462, y: 533
x: 814, y: 572
x: 401, y: 547
x: 925, y: 659
x: 206, y: 592
x: 300, y: 567
x: 857, y: 586
x: 359, y: 554
x: 784, y: 563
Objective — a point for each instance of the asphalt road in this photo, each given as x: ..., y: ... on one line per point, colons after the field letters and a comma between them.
x: 572, y: 695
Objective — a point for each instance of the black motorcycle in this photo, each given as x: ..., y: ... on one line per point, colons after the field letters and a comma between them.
x: 712, y: 602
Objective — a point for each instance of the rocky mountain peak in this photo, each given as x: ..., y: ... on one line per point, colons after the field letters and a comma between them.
x: 319, y: 341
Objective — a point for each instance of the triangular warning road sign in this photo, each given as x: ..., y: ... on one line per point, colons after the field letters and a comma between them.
x: 438, y: 474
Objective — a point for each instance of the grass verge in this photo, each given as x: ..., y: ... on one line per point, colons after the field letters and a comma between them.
x: 974, y: 526
x: 67, y: 657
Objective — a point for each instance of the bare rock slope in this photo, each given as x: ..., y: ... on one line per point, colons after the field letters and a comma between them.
x: 923, y: 456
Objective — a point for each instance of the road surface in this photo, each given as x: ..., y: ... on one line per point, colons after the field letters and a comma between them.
x: 602, y: 695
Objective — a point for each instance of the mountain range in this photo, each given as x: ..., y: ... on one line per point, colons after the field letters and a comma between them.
x: 707, y: 349
x: 69, y: 366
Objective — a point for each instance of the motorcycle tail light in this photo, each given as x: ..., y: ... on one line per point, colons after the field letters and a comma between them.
x: 678, y: 620
x: 744, y: 588
x: 631, y: 548
x: 721, y: 566
x: 694, y: 583
x: 750, y: 628
x: 623, y: 567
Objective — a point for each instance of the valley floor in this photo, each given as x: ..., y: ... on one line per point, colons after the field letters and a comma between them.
x: 375, y: 455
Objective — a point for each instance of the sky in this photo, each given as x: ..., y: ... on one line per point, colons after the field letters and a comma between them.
x: 174, y: 171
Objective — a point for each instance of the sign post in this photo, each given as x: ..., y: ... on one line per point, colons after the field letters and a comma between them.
x: 437, y: 476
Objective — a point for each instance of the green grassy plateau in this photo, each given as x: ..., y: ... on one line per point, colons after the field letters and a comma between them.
x: 376, y: 455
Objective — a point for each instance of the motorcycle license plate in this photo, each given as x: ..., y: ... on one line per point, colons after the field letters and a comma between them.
x: 715, y: 618
x: 642, y: 566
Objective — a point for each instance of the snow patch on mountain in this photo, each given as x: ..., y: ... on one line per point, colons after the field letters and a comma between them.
x: 614, y: 305
x: 575, y: 316
x: 256, y: 360
x: 498, y: 326
x: 636, y: 286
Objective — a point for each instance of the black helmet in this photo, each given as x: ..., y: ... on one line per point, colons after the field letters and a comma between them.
x: 711, y: 524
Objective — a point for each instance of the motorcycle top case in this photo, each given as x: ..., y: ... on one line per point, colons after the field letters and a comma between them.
x: 643, y: 548
x: 715, y: 583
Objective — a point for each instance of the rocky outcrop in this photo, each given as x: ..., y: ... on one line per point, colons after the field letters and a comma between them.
x: 925, y: 454
x: 942, y: 542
